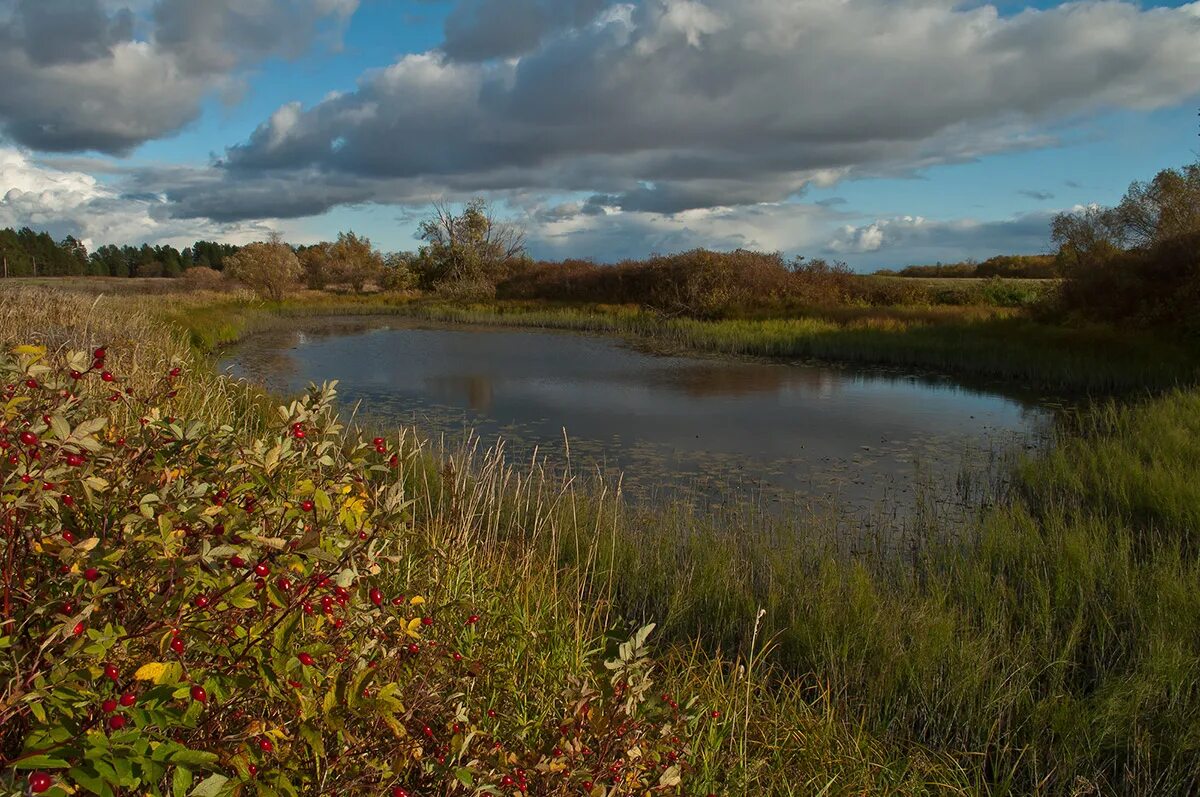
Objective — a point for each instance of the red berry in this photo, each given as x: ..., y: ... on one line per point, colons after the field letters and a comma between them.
x: 177, y: 645
x: 716, y: 715
x: 199, y: 695
x: 116, y: 722
x: 39, y: 782
x: 473, y: 619
x: 74, y: 460
x: 426, y: 621
x: 175, y: 372
x: 111, y: 672
x: 252, y: 769
x: 107, y: 377
x: 237, y: 561
x: 128, y: 699
x: 261, y: 570
x: 414, y: 648
x: 91, y: 574
x: 378, y: 441
x: 507, y: 781
x: 305, y: 659
x: 376, y: 597
x: 99, y: 354
x: 399, y: 792
x: 28, y: 439
x: 307, y: 506
x: 78, y: 629
x: 108, y: 706
x: 201, y: 601
x: 265, y: 745
x: 427, y: 731
x: 69, y: 537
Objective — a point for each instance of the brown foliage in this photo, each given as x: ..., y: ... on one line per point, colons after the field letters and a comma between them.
x: 699, y: 283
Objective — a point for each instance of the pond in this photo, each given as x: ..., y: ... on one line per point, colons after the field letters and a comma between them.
x: 712, y: 429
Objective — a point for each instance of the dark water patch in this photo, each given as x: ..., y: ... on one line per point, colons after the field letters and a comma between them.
x: 712, y: 429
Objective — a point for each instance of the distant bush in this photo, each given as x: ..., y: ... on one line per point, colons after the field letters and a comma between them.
x: 700, y: 283
x: 204, y: 279
x: 1008, y: 266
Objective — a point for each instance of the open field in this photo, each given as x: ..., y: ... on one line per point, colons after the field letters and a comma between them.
x: 1048, y: 646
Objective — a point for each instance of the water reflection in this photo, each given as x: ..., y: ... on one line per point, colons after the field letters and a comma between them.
x: 670, y: 423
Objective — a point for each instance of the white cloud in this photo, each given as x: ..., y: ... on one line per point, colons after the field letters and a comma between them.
x: 67, y: 202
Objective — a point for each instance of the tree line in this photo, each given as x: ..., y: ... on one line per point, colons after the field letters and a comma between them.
x: 29, y: 253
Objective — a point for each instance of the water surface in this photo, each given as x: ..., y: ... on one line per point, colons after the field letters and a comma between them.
x: 710, y: 428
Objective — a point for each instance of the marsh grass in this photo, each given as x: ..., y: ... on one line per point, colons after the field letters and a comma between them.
x: 1048, y: 644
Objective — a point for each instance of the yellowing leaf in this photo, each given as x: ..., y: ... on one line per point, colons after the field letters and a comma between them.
x: 28, y: 349
x: 150, y: 672
x: 413, y: 628
x: 417, y: 600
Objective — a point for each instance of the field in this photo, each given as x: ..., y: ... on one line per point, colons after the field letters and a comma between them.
x: 1049, y: 645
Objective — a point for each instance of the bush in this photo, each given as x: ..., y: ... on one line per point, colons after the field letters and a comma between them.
x: 202, y: 278
x: 700, y: 283
x: 191, y: 610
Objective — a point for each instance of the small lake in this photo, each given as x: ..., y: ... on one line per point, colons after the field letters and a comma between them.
x: 713, y: 429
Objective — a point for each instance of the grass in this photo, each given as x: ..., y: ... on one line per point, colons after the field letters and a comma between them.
x: 982, y: 343
x: 1050, y: 644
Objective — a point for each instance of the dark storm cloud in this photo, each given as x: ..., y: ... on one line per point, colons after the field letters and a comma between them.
x: 76, y: 77
x: 673, y: 105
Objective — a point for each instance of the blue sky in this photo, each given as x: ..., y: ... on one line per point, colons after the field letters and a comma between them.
x: 877, y: 132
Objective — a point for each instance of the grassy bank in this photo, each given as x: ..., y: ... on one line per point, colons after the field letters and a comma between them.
x: 1049, y: 645
x: 970, y: 342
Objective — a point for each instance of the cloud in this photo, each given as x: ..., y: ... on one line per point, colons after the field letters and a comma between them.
x: 108, y: 76
x: 913, y: 239
x: 65, y: 202
x: 477, y: 30
x: 673, y: 105
x: 1040, y: 196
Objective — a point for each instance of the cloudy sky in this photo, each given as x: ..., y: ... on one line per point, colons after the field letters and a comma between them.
x: 879, y: 132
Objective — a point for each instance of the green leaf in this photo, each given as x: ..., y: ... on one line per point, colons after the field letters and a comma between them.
x: 193, y: 758
x: 41, y: 762
x: 210, y: 786
x: 181, y: 781
x: 465, y: 777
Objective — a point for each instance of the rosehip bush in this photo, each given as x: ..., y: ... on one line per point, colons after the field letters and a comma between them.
x: 190, y: 610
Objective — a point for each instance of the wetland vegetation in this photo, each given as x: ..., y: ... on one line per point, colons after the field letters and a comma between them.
x: 1046, y: 641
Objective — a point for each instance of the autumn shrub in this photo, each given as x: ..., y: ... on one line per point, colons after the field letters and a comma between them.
x: 194, y: 608
x: 202, y: 278
x: 1158, y: 286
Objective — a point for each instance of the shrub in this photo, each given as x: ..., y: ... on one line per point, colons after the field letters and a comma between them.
x: 269, y: 269
x: 193, y: 610
x: 202, y: 278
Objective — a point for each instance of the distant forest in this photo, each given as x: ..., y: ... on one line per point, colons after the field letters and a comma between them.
x: 26, y: 253
x: 1011, y: 266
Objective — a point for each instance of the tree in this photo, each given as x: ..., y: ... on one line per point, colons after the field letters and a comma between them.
x: 355, y: 262
x: 1166, y: 207
x: 1086, y: 237
x: 315, y: 262
x: 269, y: 268
x: 399, y: 271
x: 470, y: 247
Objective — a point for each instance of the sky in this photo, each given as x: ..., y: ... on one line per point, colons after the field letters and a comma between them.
x: 880, y: 133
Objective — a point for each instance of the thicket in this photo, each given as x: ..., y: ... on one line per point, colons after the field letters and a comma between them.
x: 1138, y: 263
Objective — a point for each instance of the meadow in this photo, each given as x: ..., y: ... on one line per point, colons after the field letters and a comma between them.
x: 1046, y: 645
